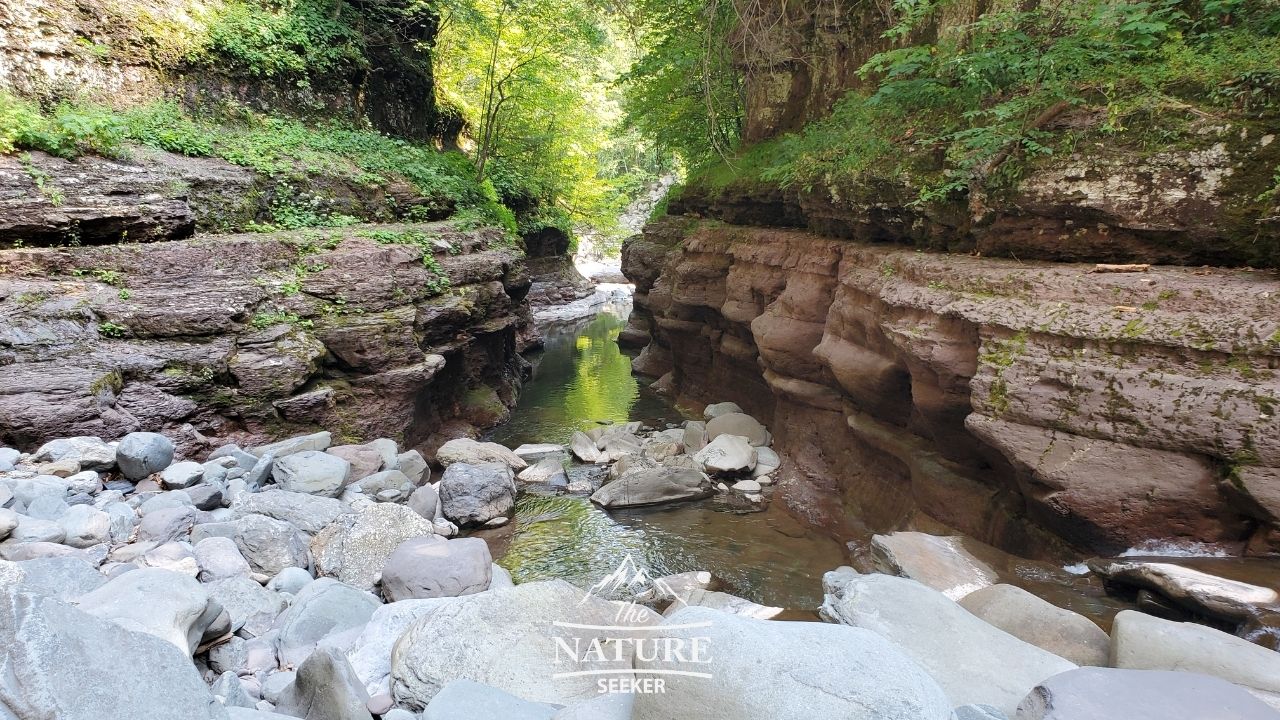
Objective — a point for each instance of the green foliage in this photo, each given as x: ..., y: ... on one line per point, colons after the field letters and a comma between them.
x: 266, y: 319
x: 287, y: 39
x: 684, y: 91
x: 111, y: 330
x: 66, y: 131
x: 978, y: 103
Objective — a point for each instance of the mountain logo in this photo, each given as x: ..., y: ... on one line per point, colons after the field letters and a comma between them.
x: 611, y: 652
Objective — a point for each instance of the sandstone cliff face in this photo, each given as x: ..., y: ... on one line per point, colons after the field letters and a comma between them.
x: 252, y: 337
x: 1024, y: 403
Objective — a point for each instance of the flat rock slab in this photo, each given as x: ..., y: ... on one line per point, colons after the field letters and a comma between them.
x: 1195, y: 590
x: 941, y: 562
x: 1111, y: 694
x: 1041, y: 623
x: 652, y: 486
x: 1144, y: 642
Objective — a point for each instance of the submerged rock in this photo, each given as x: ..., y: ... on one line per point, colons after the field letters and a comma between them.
x: 652, y: 486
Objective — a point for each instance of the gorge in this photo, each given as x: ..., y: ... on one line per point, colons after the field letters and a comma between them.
x: 945, y: 386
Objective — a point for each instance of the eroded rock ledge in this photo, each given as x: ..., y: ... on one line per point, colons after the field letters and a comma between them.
x: 1023, y: 403
x: 253, y: 337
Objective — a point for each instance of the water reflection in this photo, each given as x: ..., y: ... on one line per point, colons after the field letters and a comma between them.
x: 582, y: 378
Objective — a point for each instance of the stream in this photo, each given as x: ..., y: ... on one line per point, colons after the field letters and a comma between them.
x: 582, y: 379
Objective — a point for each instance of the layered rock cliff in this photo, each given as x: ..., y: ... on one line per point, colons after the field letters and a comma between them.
x: 403, y: 330
x: 1028, y: 404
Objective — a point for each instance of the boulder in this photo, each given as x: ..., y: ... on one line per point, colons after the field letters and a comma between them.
x: 1111, y: 694
x: 169, y: 605
x: 251, y: 608
x: 8, y: 522
x: 727, y: 455
x: 230, y: 692
x: 26, y: 489
x: 364, y: 460
x: 35, y: 530
x: 472, y: 452
x: 413, y: 465
x: 584, y: 448
x: 315, y: 442
x: 694, y: 437
x: 370, y: 654
x: 762, y: 670
x: 386, y: 486
x: 505, y: 639
x: 312, y: 472
x: 973, y: 662
x: 715, y: 410
x: 168, y: 524
x: 325, y: 688
x: 1144, y: 642
x: 175, y: 556
x: 424, y: 501
x: 533, y: 452
x: 60, y: 662
x: 141, y: 454
x: 47, y: 507
x: 322, y: 608
x: 290, y: 580
x: 270, y: 545
x: 652, y: 486
x: 219, y: 559
x: 940, y: 562
x: 9, y: 458
x: 1064, y: 633
x: 180, y: 476
x: 475, y: 494
x: 739, y: 424
x: 1192, y: 589
x: 547, y: 471
x: 767, y: 462
x: 463, y: 699
x: 355, y: 547
x: 85, y: 526
x: 64, y: 578
x: 90, y: 453
x: 308, y: 513
x: 431, y: 567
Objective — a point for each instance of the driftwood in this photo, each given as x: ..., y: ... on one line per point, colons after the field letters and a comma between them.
x: 1105, y: 268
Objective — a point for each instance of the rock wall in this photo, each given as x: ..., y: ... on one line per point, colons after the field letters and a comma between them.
x: 127, y: 52
x: 244, y: 337
x: 1027, y: 404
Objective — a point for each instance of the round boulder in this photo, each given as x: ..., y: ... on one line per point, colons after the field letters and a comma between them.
x: 431, y: 567
x: 475, y: 494
x: 140, y: 454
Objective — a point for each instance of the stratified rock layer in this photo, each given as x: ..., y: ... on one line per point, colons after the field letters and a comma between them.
x: 1001, y: 398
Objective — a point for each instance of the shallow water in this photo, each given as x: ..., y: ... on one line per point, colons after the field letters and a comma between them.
x: 582, y: 378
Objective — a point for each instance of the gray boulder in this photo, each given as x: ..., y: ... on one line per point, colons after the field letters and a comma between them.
x: 84, y: 526
x: 169, y: 605
x: 767, y: 462
x: 413, y: 465
x: 1110, y: 694
x: 370, y: 653
x: 141, y: 454
x: 230, y: 692
x: 64, y: 578
x: 424, y: 501
x: 308, y: 513
x: 365, y: 460
x: 547, y: 471
x: 942, y: 562
x: 219, y: 559
x: 290, y: 580
x: 325, y: 688
x: 250, y: 607
x: 652, y: 486
x: 1193, y: 589
x: 322, y: 608
x: 1064, y: 633
x: 47, y: 507
x: 182, y: 475
x: 973, y: 662
x: 475, y: 494
x: 430, y: 567
x: 168, y: 524
x: 727, y: 454
x: 463, y: 699
x: 91, y: 453
x: 312, y: 472
x: 8, y: 522
x: 268, y: 544
x: 314, y: 442
x: 63, y: 663
x: 765, y: 670
x: 1144, y: 642
x: 739, y: 424
x: 694, y: 437
x: 9, y: 458
x: 502, y: 638
x: 715, y: 410
x: 472, y: 452
x: 355, y: 548
x: 386, y: 486
x: 26, y: 489
x: 35, y: 530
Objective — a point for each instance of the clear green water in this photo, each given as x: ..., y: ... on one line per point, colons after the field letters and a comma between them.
x: 581, y: 378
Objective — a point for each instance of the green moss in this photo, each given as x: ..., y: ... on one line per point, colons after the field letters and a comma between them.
x: 112, y: 382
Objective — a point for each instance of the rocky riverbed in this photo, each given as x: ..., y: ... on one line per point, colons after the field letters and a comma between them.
x: 304, y: 579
